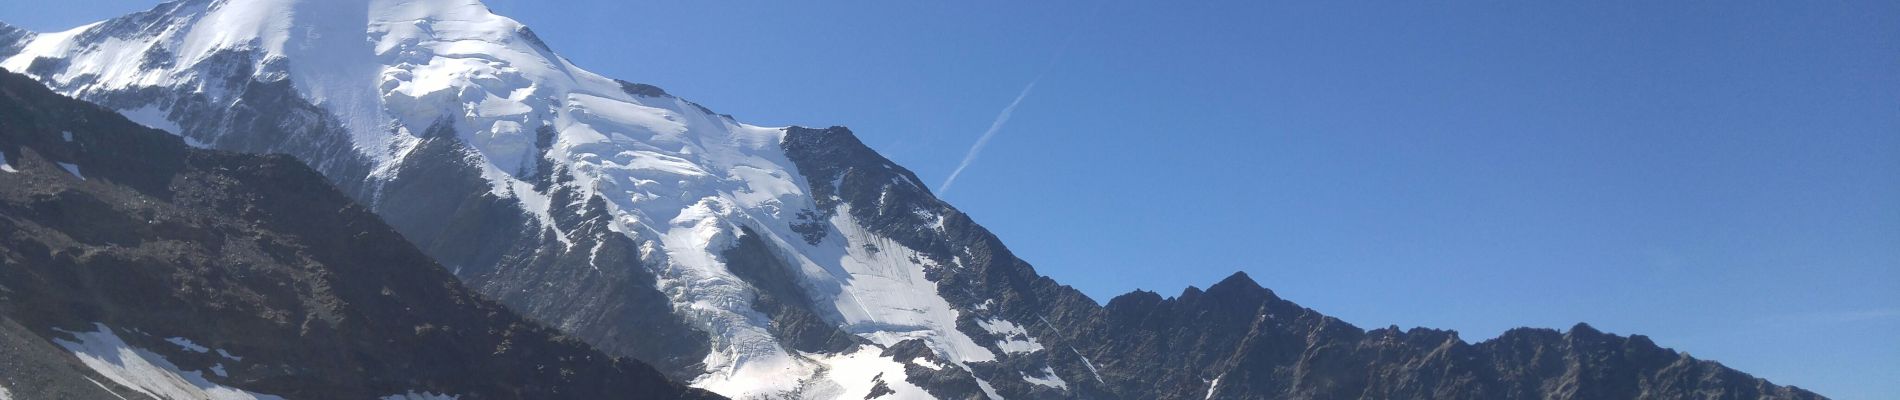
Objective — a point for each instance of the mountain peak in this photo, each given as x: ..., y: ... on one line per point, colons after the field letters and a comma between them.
x: 1238, y: 282
x: 1584, y: 329
x: 1238, y: 277
x: 372, y: 64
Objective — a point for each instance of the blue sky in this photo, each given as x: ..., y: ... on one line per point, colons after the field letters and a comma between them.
x: 1721, y: 176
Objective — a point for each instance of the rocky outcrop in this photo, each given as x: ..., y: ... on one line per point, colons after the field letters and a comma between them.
x: 794, y: 321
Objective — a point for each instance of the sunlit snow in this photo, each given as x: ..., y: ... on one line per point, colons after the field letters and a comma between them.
x: 1014, y: 339
x: 147, y: 372
x: 1046, y: 377
x: 1090, y: 365
x: 187, y: 344
x: 852, y: 376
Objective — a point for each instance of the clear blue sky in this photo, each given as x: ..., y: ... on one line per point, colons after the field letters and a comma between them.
x: 1721, y: 176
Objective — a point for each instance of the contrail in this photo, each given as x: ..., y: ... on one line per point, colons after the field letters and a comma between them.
x: 1003, y: 117
x: 995, y: 126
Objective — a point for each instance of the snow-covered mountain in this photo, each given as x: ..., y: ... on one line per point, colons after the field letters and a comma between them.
x: 386, y: 96
x: 750, y: 261
x: 135, y: 267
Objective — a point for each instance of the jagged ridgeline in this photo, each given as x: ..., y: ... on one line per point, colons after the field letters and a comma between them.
x: 755, y: 262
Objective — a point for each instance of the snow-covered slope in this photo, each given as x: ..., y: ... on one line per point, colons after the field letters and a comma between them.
x: 678, y: 180
x: 171, y: 273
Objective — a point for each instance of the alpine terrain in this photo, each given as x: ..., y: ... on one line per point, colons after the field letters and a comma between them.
x: 132, y: 266
x: 750, y: 261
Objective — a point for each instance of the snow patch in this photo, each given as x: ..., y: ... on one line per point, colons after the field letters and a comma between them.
x: 1015, y: 339
x: 73, y: 169
x: 147, y: 372
x: 1047, y: 379
x: 4, y: 394
x: 1090, y: 365
x: 187, y: 344
x: 1214, y: 385
x: 926, y: 363
x: 6, y: 166
x: 419, y: 396
x: 228, y: 355
x: 156, y: 118
x: 67, y: 135
x: 988, y: 391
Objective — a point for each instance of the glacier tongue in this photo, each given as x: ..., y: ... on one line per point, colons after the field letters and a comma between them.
x: 676, y: 178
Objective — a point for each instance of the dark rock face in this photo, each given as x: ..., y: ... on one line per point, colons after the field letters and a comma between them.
x: 1235, y: 340
x: 782, y: 299
x: 12, y: 38
x: 596, y: 289
x: 643, y: 90
x: 257, y: 255
x: 880, y: 389
x: 273, y: 118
